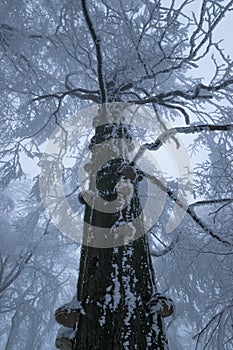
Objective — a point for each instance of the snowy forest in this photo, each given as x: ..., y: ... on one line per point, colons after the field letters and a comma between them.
x: 168, y: 63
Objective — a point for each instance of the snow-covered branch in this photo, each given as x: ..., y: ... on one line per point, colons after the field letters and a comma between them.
x: 164, y: 137
x: 188, y: 209
x: 199, y: 92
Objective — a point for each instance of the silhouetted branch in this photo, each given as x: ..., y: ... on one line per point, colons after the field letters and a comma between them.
x: 96, y: 40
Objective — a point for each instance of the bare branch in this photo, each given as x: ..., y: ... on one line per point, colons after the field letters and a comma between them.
x: 189, y: 210
x: 83, y: 94
x: 166, y: 250
x: 187, y: 95
x: 15, y: 272
x: 211, y: 201
x: 211, y: 28
x: 154, y: 146
x: 96, y: 40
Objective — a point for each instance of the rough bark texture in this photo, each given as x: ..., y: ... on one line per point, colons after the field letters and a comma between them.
x: 116, y: 283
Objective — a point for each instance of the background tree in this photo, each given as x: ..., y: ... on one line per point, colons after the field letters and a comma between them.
x: 150, y: 53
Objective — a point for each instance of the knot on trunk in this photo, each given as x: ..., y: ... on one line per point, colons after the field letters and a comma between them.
x: 161, y: 305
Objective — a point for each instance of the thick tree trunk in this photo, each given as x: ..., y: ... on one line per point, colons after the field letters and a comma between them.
x: 116, y: 277
x: 114, y: 287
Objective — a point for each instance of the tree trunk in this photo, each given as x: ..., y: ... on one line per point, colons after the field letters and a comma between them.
x: 116, y: 277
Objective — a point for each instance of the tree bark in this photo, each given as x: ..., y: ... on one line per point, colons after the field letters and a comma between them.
x: 116, y: 280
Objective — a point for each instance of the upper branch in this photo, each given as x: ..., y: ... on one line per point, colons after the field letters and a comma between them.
x: 96, y: 39
x: 187, y: 95
x: 154, y: 146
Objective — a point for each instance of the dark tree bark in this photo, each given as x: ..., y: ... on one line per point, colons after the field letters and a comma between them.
x: 116, y: 277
